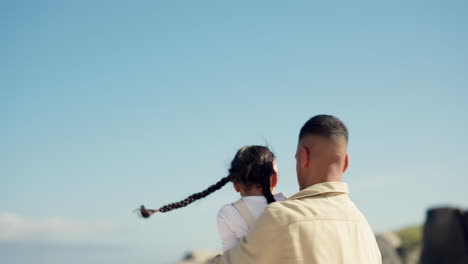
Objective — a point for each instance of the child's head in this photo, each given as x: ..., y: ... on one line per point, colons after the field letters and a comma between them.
x: 252, y: 167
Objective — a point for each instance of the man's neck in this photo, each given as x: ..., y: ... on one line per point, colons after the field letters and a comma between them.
x: 316, y: 180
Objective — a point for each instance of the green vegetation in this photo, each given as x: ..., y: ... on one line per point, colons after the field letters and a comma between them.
x: 411, y: 237
x: 411, y: 243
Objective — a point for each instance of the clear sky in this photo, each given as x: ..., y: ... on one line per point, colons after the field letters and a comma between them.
x: 106, y: 105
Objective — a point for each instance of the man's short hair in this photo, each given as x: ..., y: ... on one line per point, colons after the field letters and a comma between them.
x: 324, y: 125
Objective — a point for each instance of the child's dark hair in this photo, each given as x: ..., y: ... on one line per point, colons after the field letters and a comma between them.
x: 252, y: 166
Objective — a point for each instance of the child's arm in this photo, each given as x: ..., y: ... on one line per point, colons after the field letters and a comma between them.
x: 228, y: 238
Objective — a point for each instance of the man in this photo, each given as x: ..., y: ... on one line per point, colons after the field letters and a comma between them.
x: 319, y: 224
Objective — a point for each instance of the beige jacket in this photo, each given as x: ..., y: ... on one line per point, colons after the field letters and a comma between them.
x: 319, y: 224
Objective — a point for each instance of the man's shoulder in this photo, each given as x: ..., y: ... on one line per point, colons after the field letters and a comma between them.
x: 338, y: 207
x: 284, y: 212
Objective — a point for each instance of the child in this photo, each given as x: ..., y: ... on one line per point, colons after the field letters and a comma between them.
x: 254, y: 175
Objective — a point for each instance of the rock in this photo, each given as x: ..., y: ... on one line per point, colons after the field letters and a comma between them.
x: 445, y: 237
x: 412, y: 257
x: 411, y: 241
x: 388, y: 251
x: 393, y: 239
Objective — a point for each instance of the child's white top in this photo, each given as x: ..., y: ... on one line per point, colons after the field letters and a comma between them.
x: 232, y: 226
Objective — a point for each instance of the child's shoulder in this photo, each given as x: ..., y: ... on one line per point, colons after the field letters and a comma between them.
x: 227, y: 211
x: 280, y: 197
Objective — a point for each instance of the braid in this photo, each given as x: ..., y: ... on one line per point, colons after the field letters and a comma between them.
x: 266, y: 190
x: 192, y: 198
x: 252, y: 165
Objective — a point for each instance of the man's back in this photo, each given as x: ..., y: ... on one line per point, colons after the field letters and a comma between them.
x: 320, y: 224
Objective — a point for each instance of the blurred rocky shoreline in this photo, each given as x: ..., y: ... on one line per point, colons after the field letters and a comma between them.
x: 442, y: 239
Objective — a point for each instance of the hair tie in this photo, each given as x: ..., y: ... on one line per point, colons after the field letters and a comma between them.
x: 146, y: 213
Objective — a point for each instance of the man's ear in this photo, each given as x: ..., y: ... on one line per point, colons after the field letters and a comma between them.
x: 346, y: 163
x: 274, y: 180
x: 304, y: 157
x: 236, y: 186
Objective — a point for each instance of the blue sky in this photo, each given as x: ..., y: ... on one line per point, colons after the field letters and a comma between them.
x: 106, y: 105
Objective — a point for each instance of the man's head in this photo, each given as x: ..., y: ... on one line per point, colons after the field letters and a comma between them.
x: 321, y: 154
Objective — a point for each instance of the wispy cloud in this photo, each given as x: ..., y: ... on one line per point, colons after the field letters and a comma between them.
x: 17, y: 227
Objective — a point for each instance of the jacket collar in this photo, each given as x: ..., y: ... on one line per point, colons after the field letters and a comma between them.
x: 321, y: 188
